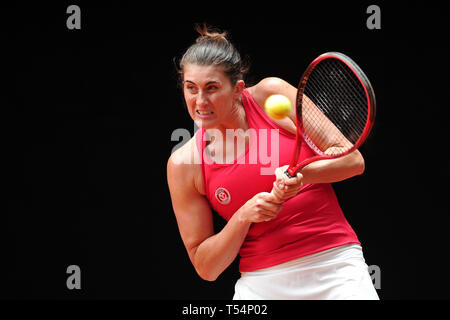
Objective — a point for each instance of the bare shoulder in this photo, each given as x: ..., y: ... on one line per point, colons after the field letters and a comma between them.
x: 271, y: 85
x: 183, y: 168
x: 183, y: 155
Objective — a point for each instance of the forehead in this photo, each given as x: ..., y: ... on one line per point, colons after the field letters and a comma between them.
x: 203, y: 74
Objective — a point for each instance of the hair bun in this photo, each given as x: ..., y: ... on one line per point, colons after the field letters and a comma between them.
x: 212, y: 48
x: 207, y: 34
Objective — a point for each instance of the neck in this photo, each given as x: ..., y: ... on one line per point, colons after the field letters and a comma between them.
x: 229, y: 139
x: 235, y: 120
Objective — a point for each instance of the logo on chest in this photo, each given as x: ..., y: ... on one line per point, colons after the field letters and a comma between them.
x: 223, y: 196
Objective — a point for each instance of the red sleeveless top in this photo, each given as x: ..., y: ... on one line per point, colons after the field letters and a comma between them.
x: 310, y: 222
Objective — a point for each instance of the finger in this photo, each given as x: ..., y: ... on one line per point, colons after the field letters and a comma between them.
x: 267, y: 197
x: 291, y: 181
x: 280, y: 173
x: 286, y: 192
x: 266, y: 218
x: 291, y: 191
x: 278, y: 195
x: 280, y: 182
x: 295, y: 180
x: 300, y: 178
x: 272, y: 206
x: 294, y: 189
x: 270, y: 214
x: 277, y: 191
x: 290, y: 195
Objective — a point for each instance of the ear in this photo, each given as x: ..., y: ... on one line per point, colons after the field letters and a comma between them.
x: 238, y: 88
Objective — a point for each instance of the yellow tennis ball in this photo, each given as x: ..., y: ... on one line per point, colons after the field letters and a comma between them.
x: 277, y: 106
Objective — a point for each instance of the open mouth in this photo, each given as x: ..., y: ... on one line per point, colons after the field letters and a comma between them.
x: 204, y: 112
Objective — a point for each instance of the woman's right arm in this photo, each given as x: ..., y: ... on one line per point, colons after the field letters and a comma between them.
x: 211, y: 253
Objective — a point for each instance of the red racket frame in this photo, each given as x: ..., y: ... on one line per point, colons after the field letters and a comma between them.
x: 294, y: 167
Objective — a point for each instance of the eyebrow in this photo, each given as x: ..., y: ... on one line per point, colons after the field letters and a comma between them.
x: 208, y: 83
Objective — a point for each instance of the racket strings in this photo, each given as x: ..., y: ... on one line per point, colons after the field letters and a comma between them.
x: 344, y: 126
x: 353, y: 93
x: 340, y: 97
x: 319, y: 136
x: 335, y: 106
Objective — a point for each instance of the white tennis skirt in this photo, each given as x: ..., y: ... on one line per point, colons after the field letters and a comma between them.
x: 335, y: 274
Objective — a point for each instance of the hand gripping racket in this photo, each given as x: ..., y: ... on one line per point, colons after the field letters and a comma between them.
x: 335, y: 109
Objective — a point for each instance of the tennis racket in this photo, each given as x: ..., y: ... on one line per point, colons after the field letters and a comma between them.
x: 335, y: 109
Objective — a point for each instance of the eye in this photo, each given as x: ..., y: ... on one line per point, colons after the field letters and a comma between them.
x: 213, y: 88
x: 191, y: 88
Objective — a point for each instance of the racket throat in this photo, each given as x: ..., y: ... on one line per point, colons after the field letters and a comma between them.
x: 292, y: 170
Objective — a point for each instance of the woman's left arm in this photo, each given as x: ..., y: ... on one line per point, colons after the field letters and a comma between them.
x: 333, y: 170
x: 321, y: 171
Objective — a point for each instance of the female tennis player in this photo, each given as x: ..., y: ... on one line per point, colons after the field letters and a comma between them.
x: 302, y: 248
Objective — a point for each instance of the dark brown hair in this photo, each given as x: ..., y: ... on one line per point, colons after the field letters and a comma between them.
x: 213, y: 48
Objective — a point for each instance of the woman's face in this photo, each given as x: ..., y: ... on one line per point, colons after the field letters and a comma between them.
x: 209, y: 94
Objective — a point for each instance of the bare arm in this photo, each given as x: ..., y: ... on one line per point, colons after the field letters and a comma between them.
x: 211, y: 253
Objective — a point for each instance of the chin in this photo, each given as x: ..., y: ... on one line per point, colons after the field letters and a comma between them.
x: 206, y: 124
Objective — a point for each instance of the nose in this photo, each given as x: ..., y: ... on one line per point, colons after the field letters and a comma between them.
x: 202, y: 100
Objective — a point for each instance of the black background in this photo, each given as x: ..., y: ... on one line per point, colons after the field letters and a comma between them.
x: 88, y: 116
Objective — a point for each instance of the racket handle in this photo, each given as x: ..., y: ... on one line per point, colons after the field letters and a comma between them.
x: 288, y: 174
